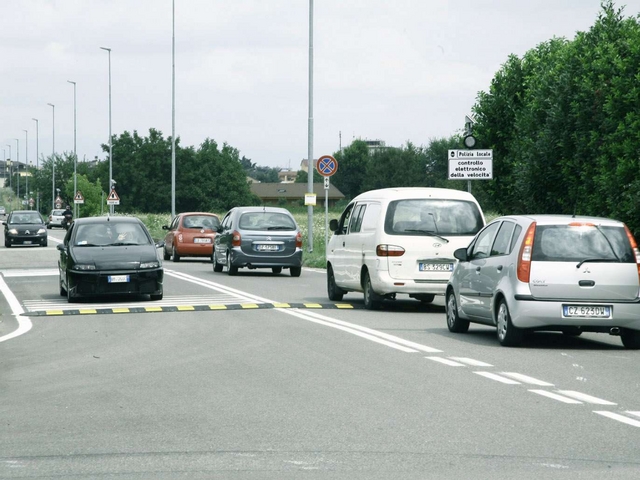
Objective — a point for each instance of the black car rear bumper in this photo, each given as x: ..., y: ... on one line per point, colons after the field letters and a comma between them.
x: 140, y: 282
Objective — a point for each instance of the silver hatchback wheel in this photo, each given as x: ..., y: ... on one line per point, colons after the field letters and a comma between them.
x: 508, y: 335
x: 454, y: 322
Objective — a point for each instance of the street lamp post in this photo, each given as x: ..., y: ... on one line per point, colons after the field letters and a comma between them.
x: 37, y: 163
x: 10, y: 170
x: 26, y: 162
x: 75, y: 153
x: 18, y: 162
x: 110, y: 142
x: 53, y: 159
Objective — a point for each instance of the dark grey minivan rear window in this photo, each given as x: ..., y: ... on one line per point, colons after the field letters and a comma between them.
x: 428, y: 216
x: 566, y: 243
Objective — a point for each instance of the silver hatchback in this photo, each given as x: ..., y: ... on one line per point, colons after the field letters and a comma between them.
x: 562, y: 273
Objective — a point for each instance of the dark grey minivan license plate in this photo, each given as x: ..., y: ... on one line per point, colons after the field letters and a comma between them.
x: 586, y: 311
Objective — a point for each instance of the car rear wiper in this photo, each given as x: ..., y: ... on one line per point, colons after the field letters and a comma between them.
x: 430, y: 233
x: 598, y: 260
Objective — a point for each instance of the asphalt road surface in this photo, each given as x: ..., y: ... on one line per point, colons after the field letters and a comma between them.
x: 260, y: 376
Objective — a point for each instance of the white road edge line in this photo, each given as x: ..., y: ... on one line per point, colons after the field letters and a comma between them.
x: 497, y: 378
x: 555, y: 396
x: 24, y: 323
x: 585, y: 398
x: 618, y: 417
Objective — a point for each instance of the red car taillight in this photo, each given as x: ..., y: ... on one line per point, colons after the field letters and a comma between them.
x: 236, y: 240
x: 524, y: 259
x: 389, y: 251
x: 299, y: 240
x: 634, y: 247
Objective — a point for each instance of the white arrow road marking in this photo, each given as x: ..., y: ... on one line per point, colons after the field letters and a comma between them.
x: 24, y: 323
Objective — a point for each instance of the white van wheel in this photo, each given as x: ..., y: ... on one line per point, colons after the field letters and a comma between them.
x: 371, y: 299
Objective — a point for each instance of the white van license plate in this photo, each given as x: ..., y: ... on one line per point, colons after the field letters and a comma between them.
x: 586, y: 311
x: 435, y: 267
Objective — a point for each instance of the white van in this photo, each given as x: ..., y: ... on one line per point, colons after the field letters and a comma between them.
x: 399, y: 240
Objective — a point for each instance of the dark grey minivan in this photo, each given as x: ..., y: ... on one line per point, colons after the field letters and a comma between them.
x: 258, y: 237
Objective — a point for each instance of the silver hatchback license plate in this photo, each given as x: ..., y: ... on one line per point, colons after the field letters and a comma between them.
x: 435, y: 267
x: 586, y: 311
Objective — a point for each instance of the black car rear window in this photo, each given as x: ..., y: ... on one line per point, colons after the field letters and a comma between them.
x: 566, y: 243
x: 440, y: 216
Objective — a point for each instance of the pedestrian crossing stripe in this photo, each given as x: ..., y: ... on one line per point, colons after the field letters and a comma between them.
x: 191, y: 308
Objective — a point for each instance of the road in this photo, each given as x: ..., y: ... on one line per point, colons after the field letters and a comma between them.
x: 259, y: 376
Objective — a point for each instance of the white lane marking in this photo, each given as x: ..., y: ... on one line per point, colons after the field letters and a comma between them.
x: 637, y: 414
x: 585, y: 398
x: 555, y: 396
x: 312, y: 316
x: 446, y: 361
x: 300, y: 314
x: 497, y: 378
x: 618, y: 417
x: 24, y: 323
x: 471, y: 361
x: 527, y: 379
x: 393, y: 338
x: 42, y: 272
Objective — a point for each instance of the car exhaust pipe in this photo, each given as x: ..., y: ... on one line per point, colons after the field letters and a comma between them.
x: 614, y: 331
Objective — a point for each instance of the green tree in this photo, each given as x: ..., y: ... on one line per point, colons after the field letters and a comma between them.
x: 352, y: 168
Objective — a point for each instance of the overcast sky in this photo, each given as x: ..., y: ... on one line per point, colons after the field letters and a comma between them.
x: 398, y: 71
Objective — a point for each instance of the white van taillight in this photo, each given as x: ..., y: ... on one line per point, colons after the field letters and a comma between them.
x: 389, y: 251
x: 298, y: 240
x: 236, y: 239
x: 634, y: 246
x: 524, y: 259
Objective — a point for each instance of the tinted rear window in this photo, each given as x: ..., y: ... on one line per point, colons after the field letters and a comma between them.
x: 266, y: 221
x: 422, y: 216
x: 564, y: 243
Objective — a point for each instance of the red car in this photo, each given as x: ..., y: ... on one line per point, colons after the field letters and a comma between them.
x: 190, y: 234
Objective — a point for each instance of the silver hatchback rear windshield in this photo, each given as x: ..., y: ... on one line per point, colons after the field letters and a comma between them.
x: 568, y: 243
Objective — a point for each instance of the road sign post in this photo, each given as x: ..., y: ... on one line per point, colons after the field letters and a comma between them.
x: 326, y: 166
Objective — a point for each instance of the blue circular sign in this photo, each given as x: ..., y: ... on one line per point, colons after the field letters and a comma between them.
x: 327, y: 165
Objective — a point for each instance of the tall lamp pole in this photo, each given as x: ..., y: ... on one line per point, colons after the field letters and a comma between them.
x: 18, y: 162
x: 75, y: 153
x: 53, y: 159
x: 310, y: 128
x: 110, y: 142
x: 173, y: 110
x: 26, y: 162
x: 37, y: 163
x: 10, y: 169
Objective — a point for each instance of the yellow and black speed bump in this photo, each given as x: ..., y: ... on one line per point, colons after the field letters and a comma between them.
x: 193, y: 308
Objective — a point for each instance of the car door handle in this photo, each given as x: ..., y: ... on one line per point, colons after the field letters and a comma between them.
x: 499, y: 268
x: 343, y: 244
x: 478, y: 269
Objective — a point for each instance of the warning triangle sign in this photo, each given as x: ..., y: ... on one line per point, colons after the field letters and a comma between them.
x: 78, y: 196
x: 113, y: 198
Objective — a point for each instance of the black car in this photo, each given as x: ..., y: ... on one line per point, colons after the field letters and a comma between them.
x: 25, y: 227
x: 109, y: 256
